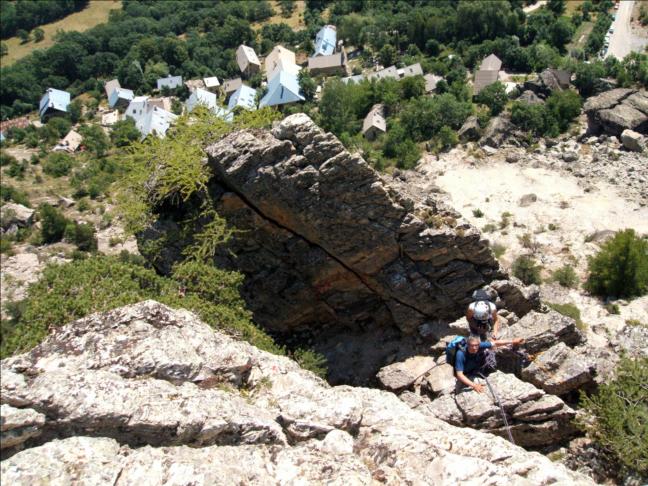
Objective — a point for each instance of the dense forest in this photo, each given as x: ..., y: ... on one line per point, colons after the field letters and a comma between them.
x: 27, y: 14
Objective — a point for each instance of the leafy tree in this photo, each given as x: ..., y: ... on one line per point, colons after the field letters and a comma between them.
x: 58, y: 164
x: 561, y: 33
x: 620, y: 268
x: 387, y: 55
x: 556, y: 6
x: 423, y: 117
x: 587, y: 75
x: 4, y: 50
x: 83, y: 235
x: 616, y: 415
x: 534, y: 118
x: 565, y: 106
x: 565, y: 276
x: 23, y: 35
x: 53, y: 223
x: 287, y: 8
x: 124, y: 132
x: 412, y: 87
x: 39, y: 34
x: 307, y: 85
x: 95, y: 139
x: 494, y: 96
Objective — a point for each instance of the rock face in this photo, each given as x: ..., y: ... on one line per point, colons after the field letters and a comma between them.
x: 632, y: 140
x: 327, y: 243
x: 497, y: 131
x: 470, y: 130
x: 617, y: 110
x: 14, y: 216
x: 124, y: 394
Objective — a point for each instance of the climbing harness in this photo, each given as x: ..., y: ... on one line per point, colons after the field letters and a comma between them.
x: 496, y: 398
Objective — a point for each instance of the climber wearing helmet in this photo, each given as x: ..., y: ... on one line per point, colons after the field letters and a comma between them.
x: 482, y: 318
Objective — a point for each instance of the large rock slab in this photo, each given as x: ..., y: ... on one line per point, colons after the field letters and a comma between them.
x: 497, y: 131
x: 560, y: 370
x: 632, y: 140
x: 12, y: 214
x: 354, y: 435
x: 534, y: 417
x: 543, y: 330
x: 617, y: 110
x: 18, y: 425
x: 398, y: 376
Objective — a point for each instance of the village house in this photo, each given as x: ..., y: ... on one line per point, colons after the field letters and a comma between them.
x: 54, y: 102
x: 70, y: 143
x: 231, y: 85
x: 390, y: 72
x: 280, y: 59
x: 170, y: 82
x: 353, y: 79
x: 120, y: 98
x: 335, y: 64
x: 283, y: 89
x: 325, y: 41
x: 488, y: 73
x: 194, y: 84
x: 210, y: 101
x: 431, y: 81
x: 111, y: 86
x: 163, y: 102
x: 155, y: 121
x: 412, y: 70
x: 110, y: 118
x: 245, y: 97
x: 247, y: 60
x: 374, y: 123
x: 137, y: 107
x: 211, y: 83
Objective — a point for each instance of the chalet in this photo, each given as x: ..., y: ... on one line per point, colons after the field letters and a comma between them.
x: 412, y: 70
x: 111, y: 86
x: 325, y: 41
x: 70, y: 142
x: 483, y: 79
x: 155, y: 121
x: 194, y: 84
x: 110, y: 118
x: 374, y: 123
x: 491, y: 63
x: 137, y: 107
x: 280, y: 58
x: 163, y: 102
x: 247, y: 60
x: 210, y: 101
x: 54, y: 102
x: 231, y: 85
x: 120, y: 98
x: 170, y: 82
x: 335, y: 64
x: 212, y: 83
x: 245, y: 97
x: 431, y: 81
x: 283, y: 89
x: 390, y: 72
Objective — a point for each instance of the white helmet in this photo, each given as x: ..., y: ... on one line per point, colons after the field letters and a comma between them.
x: 482, y: 311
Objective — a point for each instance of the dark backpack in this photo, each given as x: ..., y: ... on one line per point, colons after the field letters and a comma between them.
x: 458, y: 343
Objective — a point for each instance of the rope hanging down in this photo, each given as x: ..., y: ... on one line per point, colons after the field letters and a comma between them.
x: 496, y: 398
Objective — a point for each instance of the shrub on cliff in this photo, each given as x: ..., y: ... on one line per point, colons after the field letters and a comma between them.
x: 617, y: 415
x: 97, y: 284
x: 620, y: 268
x: 526, y: 269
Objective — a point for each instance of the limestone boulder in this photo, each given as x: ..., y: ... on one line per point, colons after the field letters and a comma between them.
x: 470, y: 131
x: 632, y: 140
x: 12, y: 214
x: 543, y: 330
x: 616, y: 110
x: 401, y: 375
x: 19, y: 424
x: 497, y: 131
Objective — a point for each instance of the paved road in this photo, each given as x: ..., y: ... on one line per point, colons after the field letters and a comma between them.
x: 622, y: 42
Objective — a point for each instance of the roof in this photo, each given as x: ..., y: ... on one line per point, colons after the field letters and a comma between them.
x: 169, y: 82
x: 389, y: 72
x: 54, y: 99
x: 20, y: 122
x: 431, y: 81
x: 162, y: 102
x: 483, y: 79
x: 283, y: 88
x: 412, y: 70
x: 232, y: 85
x: 110, y: 118
x: 325, y: 41
x: 70, y: 142
x: 375, y: 118
x: 245, y: 97
x: 194, y: 84
x: 491, y: 63
x: 120, y: 94
x: 279, y: 58
x: 110, y: 86
x: 245, y: 56
x: 155, y: 121
x: 202, y: 97
x: 211, y: 82
x: 323, y: 62
x: 354, y: 79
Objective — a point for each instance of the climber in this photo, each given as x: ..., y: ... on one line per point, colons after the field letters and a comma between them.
x: 482, y: 318
x: 476, y: 358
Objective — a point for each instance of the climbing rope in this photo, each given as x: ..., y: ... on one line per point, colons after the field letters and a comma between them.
x: 496, y: 398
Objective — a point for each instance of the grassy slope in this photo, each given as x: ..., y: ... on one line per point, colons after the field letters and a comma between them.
x: 296, y: 21
x: 96, y: 13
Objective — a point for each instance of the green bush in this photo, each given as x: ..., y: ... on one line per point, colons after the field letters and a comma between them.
x: 7, y: 159
x: 10, y: 193
x: 565, y: 276
x: 53, y: 223
x: 526, y: 269
x: 58, y: 164
x: 83, y: 235
x: 616, y: 416
x: 494, y: 96
x: 620, y: 268
x: 100, y: 283
x: 312, y: 361
x: 478, y: 213
x: 498, y: 249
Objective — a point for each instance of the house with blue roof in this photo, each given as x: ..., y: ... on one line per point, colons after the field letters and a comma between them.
x: 245, y: 97
x: 325, y: 41
x: 283, y: 88
x: 54, y: 102
x: 120, y: 97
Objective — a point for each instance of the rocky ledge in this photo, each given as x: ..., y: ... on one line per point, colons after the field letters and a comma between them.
x: 148, y: 395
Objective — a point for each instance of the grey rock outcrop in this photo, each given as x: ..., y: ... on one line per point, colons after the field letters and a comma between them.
x: 203, y: 389
x: 548, y: 81
x: 470, y: 130
x: 497, y: 131
x: 17, y: 425
x: 617, y: 110
x: 535, y: 418
x: 632, y: 140
x: 531, y: 98
x: 12, y: 214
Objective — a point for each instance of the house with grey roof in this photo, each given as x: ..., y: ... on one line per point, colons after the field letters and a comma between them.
x: 120, y: 98
x: 431, y: 81
x: 412, y: 70
x: 335, y: 64
x: 170, y: 82
x: 194, y: 84
x: 54, y: 102
x: 491, y: 63
x: 111, y: 86
x: 231, y: 85
x: 280, y: 59
x: 357, y: 78
x: 211, y: 83
x: 325, y: 41
x: 210, y: 101
x: 390, y: 72
x: 247, y: 60
x: 155, y: 121
x: 488, y: 73
x: 283, y: 89
x: 245, y: 97
x: 374, y: 123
